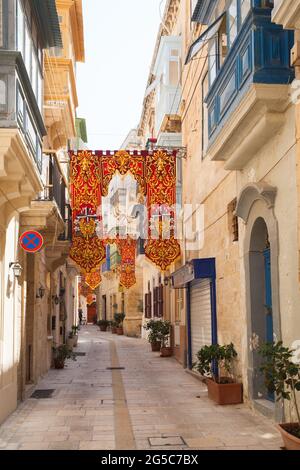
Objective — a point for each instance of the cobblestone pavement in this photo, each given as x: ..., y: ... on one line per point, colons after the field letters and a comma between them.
x: 151, y: 404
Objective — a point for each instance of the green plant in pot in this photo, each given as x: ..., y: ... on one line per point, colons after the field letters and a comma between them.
x: 153, y: 337
x: 75, y: 329
x: 216, y: 364
x: 119, y: 318
x: 164, y: 332
x: 113, y: 325
x: 60, y: 354
x: 71, y: 340
x: 282, y: 377
x: 103, y: 324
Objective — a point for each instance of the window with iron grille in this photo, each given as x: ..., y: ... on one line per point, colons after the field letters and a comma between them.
x: 233, y: 223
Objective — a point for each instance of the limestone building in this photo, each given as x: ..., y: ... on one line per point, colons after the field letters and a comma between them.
x: 234, y: 104
x: 40, y: 45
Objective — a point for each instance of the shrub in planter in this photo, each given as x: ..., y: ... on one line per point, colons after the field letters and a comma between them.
x: 119, y: 318
x: 60, y: 354
x: 164, y: 331
x: 75, y: 329
x: 103, y: 324
x: 153, y: 337
x: 282, y: 377
x: 215, y: 363
x: 70, y: 340
x: 114, y: 327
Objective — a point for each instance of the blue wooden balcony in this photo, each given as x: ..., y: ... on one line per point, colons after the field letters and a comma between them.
x: 260, y: 54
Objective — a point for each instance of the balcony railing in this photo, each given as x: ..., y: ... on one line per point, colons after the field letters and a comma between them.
x: 260, y: 54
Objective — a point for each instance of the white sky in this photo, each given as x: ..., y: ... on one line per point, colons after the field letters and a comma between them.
x: 120, y: 37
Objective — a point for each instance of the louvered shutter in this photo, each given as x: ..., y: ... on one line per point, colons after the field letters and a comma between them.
x: 155, y: 301
x: 160, y: 300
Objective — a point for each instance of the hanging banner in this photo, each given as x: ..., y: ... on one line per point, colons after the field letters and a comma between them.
x: 161, y: 248
x: 87, y: 248
x: 93, y: 280
x: 91, y: 174
x: 127, y: 250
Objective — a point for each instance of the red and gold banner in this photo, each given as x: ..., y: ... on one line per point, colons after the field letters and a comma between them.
x: 91, y: 174
x: 127, y: 249
x: 93, y: 280
x: 161, y: 248
x: 87, y: 248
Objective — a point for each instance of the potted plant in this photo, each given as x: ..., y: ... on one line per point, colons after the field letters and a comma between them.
x: 75, y: 329
x: 282, y: 377
x: 103, y: 324
x: 119, y: 318
x: 70, y: 340
x: 60, y: 354
x: 215, y: 363
x: 153, y: 337
x: 164, y: 330
x: 113, y: 327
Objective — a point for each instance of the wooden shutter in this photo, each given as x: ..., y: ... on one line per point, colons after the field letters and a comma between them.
x: 148, y: 306
x: 155, y: 301
x: 160, y: 300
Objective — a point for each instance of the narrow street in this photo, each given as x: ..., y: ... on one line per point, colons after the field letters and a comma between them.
x: 151, y: 404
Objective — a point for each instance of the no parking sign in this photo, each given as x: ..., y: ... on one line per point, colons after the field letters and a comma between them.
x: 31, y: 241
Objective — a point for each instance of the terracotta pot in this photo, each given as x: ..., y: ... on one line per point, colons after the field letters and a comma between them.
x: 120, y: 331
x: 103, y: 328
x: 290, y: 442
x: 59, y: 363
x: 155, y: 346
x: 166, y: 351
x: 225, y: 394
x: 114, y: 330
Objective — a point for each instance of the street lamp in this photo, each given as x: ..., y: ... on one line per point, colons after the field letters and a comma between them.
x: 40, y: 292
x: 17, y: 268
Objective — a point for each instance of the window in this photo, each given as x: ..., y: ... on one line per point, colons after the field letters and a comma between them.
x: 245, y: 8
x: 212, y: 60
x: 27, y: 43
x: 20, y: 107
x: 204, y: 116
x: 2, y: 95
x: 232, y: 21
x: 20, y: 30
x: 1, y: 25
x: 27, y: 51
x: 174, y: 68
x: 31, y: 132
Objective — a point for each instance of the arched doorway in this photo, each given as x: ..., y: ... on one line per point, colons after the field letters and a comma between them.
x: 255, y: 206
x: 260, y: 281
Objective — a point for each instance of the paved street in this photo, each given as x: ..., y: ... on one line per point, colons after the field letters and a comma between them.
x: 151, y: 404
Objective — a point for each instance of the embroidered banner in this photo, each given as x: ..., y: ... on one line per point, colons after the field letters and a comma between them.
x: 91, y: 174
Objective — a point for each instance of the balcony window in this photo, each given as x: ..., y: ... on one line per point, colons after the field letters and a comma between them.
x: 3, y: 95
x: 204, y: 116
x: 1, y: 25
x: 27, y: 44
x: 212, y: 59
x: 245, y: 8
x: 31, y: 132
x: 233, y: 21
x: 20, y: 108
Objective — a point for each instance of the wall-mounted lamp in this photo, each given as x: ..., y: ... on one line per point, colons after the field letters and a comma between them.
x: 55, y: 299
x: 168, y: 281
x: 40, y: 292
x: 17, y: 268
